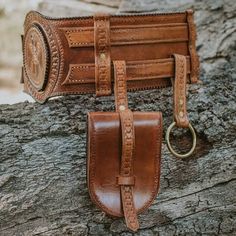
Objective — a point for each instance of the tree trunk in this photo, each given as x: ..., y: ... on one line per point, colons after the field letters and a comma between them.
x: 43, y: 149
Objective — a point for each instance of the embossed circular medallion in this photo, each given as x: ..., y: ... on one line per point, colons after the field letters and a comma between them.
x: 36, y: 58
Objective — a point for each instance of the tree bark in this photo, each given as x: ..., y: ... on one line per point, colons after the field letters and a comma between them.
x: 43, y: 149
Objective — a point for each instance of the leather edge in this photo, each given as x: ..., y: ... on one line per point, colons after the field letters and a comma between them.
x: 156, y: 185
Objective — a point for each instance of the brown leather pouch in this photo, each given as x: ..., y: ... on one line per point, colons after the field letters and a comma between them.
x: 104, y: 160
x: 124, y: 154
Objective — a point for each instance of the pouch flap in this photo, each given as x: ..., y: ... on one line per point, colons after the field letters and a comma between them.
x: 104, y: 159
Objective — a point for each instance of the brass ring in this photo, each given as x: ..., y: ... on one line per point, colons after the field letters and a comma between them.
x: 170, y: 147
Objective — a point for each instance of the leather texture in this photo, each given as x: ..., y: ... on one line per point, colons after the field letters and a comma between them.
x: 76, y: 54
x: 179, y: 93
x: 126, y: 169
x: 120, y: 85
x: 126, y: 177
x: 124, y: 152
x: 120, y: 53
x: 102, y: 55
x: 104, y: 160
x: 115, y: 138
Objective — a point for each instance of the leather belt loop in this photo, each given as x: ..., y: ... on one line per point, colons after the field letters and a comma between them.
x: 102, y: 54
x: 120, y: 85
x: 126, y: 178
x: 123, y: 180
x: 179, y: 87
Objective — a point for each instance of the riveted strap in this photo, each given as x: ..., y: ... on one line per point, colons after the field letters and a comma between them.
x: 120, y: 85
x: 126, y: 178
x: 102, y: 54
x: 179, y: 86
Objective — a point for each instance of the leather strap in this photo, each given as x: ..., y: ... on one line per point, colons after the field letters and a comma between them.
x: 139, y: 34
x: 150, y: 72
x: 120, y: 85
x: 102, y: 55
x: 126, y: 178
x: 128, y: 142
x: 123, y: 180
x: 179, y: 86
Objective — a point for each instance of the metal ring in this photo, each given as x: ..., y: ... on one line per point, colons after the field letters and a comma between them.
x: 170, y: 147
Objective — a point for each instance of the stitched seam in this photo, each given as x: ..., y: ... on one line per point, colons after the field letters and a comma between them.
x: 52, y: 77
x: 180, y: 90
x: 128, y: 135
x: 156, y: 178
x: 133, y: 41
x: 92, y: 174
x: 157, y: 162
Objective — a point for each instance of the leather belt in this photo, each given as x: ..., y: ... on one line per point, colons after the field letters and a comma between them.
x: 74, y: 55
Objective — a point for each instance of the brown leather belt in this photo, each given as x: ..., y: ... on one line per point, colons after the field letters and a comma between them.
x: 73, y: 55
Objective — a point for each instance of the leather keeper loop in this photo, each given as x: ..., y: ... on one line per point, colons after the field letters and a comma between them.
x: 120, y: 85
x: 102, y: 55
x: 124, y: 180
x: 179, y: 87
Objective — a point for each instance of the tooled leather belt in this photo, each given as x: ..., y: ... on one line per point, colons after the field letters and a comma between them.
x: 102, y: 54
x: 73, y: 55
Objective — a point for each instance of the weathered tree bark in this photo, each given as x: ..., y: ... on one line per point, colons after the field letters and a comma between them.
x: 43, y: 150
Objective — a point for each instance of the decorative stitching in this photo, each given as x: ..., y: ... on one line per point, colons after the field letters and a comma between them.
x: 71, y: 79
x: 160, y: 17
x: 128, y: 143
x: 52, y: 78
x: 102, y: 47
x: 180, y: 112
x: 156, y: 178
x: 120, y: 84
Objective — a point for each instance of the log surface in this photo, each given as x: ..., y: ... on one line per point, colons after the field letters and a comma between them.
x: 43, y: 149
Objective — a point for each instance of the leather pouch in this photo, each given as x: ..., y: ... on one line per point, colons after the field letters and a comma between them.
x: 104, y: 159
x: 124, y: 154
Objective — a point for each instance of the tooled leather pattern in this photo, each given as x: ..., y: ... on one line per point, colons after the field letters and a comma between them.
x: 102, y: 55
x: 180, y: 110
x: 56, y: 59
x: 93, y: 162
x: 120, y: 85
x: 52, y: 30
x: 131, y: 36
x: 128, y: 142
x: 36, y: 58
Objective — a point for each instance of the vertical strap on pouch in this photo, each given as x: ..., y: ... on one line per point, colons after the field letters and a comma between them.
x: 126, y: 179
